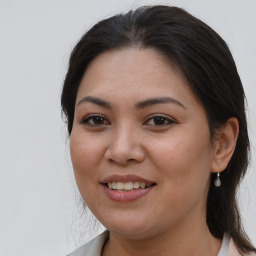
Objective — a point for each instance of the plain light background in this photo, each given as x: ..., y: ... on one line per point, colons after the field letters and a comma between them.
x: 39, y: 212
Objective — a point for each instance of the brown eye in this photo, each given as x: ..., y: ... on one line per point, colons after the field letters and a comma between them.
x: 159, y: 121
x: 95, y: 120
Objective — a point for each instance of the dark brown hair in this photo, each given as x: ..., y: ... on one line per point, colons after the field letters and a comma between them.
x: 207, y: 64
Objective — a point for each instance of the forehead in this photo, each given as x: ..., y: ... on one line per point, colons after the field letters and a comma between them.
x: 134, y: 73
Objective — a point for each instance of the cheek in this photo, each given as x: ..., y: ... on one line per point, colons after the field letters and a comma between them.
x: 85, y: 152
x: 183, y: 160
x: 86, y: 155
x: 184, y: 175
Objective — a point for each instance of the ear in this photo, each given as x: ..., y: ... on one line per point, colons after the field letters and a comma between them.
x: 225, y: 144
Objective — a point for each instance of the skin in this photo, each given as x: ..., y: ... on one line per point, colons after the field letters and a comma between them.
x: 175, y: 152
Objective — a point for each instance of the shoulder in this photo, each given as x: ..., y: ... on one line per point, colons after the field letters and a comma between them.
x: 92, y: 248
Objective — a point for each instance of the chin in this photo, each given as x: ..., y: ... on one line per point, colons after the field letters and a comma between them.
x: 127, y: 225
x: 129, y: 228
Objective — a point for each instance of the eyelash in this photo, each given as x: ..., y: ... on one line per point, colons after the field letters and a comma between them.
x: 87, y: 120
x: 167, y: 121
x: 161, y: 118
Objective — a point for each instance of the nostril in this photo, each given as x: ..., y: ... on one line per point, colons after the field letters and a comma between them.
x: 124, y: 156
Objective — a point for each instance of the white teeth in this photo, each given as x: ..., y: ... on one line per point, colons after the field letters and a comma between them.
x: 114, y: 185
x: 119, y: 185
x: 143, y: 185
x: 136, y: 184
x: 128, y: 185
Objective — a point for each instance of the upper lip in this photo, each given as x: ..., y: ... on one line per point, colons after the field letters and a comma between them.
x: 125, y: 178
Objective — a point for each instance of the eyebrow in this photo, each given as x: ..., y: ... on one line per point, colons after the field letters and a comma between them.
x: 96, y: 101
x: 158, y: 100
x: 139, y: 105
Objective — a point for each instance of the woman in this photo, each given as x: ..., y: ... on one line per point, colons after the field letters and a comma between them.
x: 158, y: 135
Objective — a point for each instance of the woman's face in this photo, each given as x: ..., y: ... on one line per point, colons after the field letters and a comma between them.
x: 138, y: 127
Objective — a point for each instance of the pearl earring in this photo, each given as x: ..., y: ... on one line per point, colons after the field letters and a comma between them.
x: 217, y: 181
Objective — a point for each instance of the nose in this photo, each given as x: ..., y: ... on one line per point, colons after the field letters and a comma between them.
x: 125, y: 146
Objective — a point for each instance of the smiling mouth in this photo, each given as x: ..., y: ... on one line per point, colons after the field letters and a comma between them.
x: 128, y: 186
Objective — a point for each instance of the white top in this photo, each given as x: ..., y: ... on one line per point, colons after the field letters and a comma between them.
x: 94, y: 247
x: 224, y: 246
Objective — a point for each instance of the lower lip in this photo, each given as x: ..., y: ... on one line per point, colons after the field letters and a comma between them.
x: 126, y: 196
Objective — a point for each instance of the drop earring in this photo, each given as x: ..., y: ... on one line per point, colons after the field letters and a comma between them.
x: 217, y: 181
